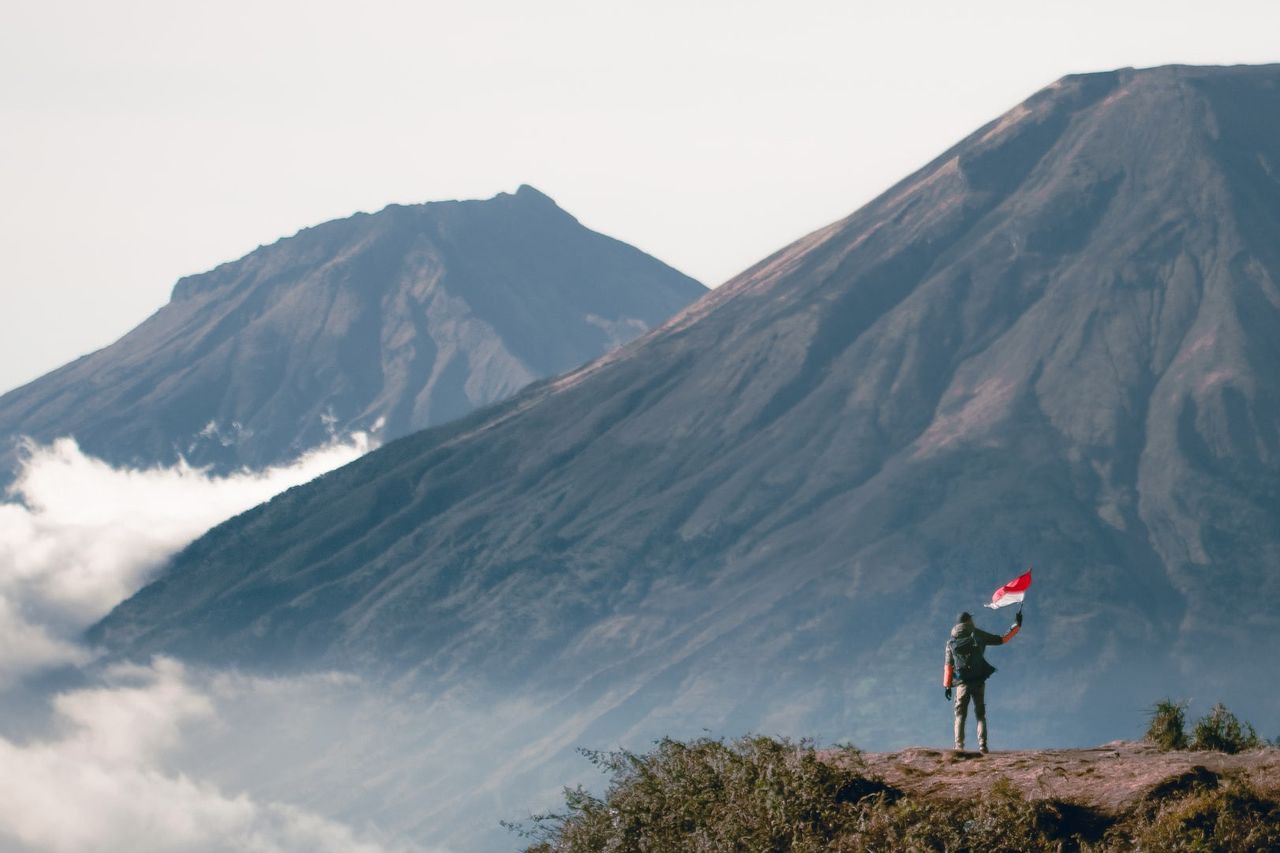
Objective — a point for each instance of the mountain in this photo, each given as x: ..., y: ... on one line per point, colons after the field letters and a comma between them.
x: 1057, y: 345
x: 385, y: 322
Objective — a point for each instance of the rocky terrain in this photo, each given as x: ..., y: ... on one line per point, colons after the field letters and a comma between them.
x: 386, y: 322
x: 1107, y: 781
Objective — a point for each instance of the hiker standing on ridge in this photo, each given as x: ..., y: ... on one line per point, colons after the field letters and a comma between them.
x: 965, y: 664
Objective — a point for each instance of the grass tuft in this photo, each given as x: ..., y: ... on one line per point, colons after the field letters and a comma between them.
x: 1166, y: 726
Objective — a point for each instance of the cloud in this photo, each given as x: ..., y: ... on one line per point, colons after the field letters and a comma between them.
x: 170, y: 757
x: 77, y: 536
x: 117, y: 764
x: 99, y: 784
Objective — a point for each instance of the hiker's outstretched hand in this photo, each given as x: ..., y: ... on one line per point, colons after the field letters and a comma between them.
x: 1017, y: 619
x: 946, y: 691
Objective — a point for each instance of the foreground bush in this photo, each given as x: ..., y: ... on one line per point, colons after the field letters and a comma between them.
x: 1000, y: 820
x: 1229, y: 819
x: 753, y: 794
x: 760, y: 794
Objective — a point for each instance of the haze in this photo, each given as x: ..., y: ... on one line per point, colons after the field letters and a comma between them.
x: 147, y: 140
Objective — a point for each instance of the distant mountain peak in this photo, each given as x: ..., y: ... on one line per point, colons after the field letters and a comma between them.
x: 410, y: 316
x: 531, y: 193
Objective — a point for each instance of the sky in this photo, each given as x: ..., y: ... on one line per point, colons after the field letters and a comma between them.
x: 144, y: 140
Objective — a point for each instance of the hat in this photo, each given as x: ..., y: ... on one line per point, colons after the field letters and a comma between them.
x: 964, y: 617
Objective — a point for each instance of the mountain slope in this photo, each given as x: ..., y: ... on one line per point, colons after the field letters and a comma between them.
x: 1055, y: 344
x: 392, y: 321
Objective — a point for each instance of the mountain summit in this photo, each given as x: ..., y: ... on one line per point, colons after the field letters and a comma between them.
x: 1058, y: 344
x: 390, y: 321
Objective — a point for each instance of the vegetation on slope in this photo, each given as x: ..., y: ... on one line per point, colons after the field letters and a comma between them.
x: 762, y: 794
x: 1217, y: 731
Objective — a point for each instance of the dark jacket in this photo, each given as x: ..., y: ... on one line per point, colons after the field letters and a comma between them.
x: 982, y: 669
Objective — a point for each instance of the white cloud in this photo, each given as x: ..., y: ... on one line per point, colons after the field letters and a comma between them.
x: 166, y: 757
x: 118, y: 764
x: 100, y: 783
x: 29, y: 647
x: 78, y: 536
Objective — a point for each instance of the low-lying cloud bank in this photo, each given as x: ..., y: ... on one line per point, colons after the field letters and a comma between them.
x: 107, y: 766
x: 100, y: 783
x: 169, y: 757
x: 78, y: 536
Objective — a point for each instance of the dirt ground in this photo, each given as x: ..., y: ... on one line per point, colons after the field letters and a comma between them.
x: 1109, y: 779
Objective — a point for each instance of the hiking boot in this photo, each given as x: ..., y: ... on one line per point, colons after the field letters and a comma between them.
x: 983, y: 749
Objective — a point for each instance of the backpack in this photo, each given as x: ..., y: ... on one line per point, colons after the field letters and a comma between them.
x: 966, y: 653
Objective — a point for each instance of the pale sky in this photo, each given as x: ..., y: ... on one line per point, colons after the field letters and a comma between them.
x: 143, y: 140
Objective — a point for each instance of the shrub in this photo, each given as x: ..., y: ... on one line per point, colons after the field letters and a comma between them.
x: 1221, y: 731
x: 751, y: 794
x: 1166, y: 725
x: 998, y: 821
x: 1229, y: 819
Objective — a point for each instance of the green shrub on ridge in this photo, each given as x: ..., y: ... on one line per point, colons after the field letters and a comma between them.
x: 1167, y: 725
x: 1221, y: 731
x: 1218, y: 731
x: 756, y: 793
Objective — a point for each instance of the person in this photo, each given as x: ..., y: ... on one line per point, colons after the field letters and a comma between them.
x: 967, y: 670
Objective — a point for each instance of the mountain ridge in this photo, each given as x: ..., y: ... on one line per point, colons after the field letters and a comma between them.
x: 184, y: 286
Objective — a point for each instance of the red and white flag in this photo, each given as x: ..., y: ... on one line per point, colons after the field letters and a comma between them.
x: 1012, y: 592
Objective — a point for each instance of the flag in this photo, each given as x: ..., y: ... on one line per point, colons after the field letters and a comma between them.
x: 1012, y: 592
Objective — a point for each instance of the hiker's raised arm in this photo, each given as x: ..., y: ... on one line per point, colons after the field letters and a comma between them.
x: 1013, y: 629
x: 988, y: 638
